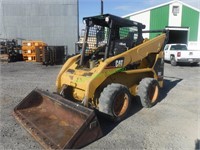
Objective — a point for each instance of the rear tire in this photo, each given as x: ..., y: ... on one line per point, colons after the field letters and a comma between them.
x: 148, y: 91
x: 115, y: 101
x: 173, y: 61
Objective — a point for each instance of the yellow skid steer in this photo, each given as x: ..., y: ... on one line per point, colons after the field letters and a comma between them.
x: 114, y: 65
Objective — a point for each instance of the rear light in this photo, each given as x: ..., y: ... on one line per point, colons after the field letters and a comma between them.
x: 179, y: 54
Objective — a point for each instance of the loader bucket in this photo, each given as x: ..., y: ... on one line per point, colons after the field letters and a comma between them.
x: 57, y: 123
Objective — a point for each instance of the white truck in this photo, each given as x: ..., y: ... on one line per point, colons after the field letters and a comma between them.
x: 179, y: 53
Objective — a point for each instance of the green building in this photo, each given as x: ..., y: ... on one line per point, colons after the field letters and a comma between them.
x: 182, y: 20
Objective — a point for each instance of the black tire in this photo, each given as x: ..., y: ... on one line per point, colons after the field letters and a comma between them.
x: 148, y: 91
x: 173, y: 61
x: 111, y: 103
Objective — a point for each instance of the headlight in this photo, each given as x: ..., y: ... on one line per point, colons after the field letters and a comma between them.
x: 29, y: 44
x: 29, y: 51
x: 107, y: 19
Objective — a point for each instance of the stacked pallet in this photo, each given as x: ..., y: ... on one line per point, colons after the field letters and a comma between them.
x: 32, y: 50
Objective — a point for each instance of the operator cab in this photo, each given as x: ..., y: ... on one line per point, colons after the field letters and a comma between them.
x: 108, y: 35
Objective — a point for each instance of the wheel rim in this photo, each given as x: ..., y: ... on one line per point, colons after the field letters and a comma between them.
x: 121, y: 104
x: 153, y: 93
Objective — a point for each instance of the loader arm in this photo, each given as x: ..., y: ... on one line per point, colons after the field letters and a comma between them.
x: 141, y: 51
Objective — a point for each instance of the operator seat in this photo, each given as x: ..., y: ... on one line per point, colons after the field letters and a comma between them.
x: 124, y: 44
x: 129, y: 40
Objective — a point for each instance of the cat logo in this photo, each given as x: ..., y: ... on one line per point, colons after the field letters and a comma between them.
x: 119, y: 63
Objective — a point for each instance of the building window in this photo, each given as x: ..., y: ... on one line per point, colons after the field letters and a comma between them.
x: 175, y: 10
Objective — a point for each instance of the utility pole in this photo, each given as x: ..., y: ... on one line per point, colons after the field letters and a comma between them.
x: 101, y: 7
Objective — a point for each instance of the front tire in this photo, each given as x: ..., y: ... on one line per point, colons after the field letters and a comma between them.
x: 148, y: 91
x: 115, y: 101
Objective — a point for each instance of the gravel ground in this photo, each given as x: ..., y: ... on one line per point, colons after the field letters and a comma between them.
x: 174, y: 123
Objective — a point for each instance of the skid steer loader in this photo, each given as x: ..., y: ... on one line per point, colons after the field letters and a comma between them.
x: 115, y: 63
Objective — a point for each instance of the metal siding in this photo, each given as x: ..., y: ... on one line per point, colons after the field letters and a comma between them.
x: 53, y: 21
x: 68, y: 2
x: 158, y: 19
x: 190, y: 18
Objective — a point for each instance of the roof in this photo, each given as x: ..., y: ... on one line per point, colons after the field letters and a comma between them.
x: 168, y: 3
x: 118, y: 21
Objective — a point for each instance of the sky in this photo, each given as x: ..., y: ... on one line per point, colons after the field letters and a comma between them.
x: 121, y: 7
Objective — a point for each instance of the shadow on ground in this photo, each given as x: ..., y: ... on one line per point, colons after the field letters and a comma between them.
x: 188, y: 65
x: 107, y: 126
x: 169, y: 84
